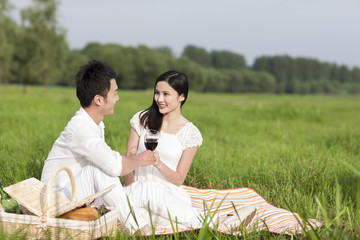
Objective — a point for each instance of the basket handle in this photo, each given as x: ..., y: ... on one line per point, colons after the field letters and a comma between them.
x: 50, y: 184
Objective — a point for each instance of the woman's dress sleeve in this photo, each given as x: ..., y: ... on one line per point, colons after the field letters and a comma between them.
x: 191, y: 137
x: 135, y: 123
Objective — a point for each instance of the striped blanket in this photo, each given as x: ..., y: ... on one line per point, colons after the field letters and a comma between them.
x: 276, y: 220
x: 235, y: 201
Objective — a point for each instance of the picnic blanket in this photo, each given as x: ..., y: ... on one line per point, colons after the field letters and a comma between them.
x: 267, y: 217
x: 229, y: 201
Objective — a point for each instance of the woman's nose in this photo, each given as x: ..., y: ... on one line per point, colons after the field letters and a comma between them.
x: 161, y: 98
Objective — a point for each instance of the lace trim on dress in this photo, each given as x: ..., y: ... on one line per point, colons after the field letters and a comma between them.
x: 189, y: 136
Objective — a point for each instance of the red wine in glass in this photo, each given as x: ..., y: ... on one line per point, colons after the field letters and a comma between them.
x: 151, y: 144
x: 151, y: 139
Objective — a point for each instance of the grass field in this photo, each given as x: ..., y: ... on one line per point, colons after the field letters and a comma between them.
x: 300, y: 152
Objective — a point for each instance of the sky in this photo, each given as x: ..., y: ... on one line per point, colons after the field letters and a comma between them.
x: 327, y: 30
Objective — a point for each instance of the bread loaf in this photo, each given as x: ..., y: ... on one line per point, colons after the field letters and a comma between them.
x: 82, y: 214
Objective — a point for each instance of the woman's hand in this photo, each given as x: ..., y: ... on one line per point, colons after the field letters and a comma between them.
x: 157, y: 157
x: 147, y: 158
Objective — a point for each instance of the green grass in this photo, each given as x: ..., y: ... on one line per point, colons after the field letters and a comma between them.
x: 300, y: 152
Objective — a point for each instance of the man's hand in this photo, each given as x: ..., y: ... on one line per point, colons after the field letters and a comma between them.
x: 147, y: 158
x: 130, y: 163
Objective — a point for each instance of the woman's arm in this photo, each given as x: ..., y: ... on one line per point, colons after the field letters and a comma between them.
x: 131, y: 150
x: 177, y: 177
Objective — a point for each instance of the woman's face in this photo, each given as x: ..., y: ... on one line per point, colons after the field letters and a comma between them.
x: 167, y: 98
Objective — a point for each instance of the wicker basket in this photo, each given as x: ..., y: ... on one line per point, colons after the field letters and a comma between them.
x: 46, y: 203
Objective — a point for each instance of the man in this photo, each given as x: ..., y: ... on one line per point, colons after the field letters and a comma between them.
x: 82, y: 147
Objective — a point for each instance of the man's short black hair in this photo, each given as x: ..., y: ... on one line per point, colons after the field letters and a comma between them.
x: 93, y: 79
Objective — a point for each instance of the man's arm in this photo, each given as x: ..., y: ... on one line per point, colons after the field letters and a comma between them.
x: 130, y: 163
x: 89, y: 145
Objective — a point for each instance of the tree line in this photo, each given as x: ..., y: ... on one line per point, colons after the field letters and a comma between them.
x: 35, y: 52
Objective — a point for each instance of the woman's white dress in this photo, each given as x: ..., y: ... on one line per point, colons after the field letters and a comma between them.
x: 170, y: 148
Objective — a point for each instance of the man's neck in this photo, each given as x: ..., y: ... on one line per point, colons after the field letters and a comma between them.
x: 94, y: 115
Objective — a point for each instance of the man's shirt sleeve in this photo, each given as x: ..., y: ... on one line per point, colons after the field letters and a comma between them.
x: 88, y: 144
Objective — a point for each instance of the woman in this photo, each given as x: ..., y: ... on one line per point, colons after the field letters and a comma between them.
x: 176, y: 149
x: 175, y: 152
x: 179, y: 140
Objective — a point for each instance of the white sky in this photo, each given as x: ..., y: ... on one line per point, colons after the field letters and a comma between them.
x: 327, y: 30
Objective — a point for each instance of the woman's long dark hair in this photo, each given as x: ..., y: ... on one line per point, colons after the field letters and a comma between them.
x: 151, y: 118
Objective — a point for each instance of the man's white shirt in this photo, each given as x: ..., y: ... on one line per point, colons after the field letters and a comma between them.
x: 82, y: 142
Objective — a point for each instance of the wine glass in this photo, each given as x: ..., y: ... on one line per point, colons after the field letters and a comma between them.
x: 151, y: 139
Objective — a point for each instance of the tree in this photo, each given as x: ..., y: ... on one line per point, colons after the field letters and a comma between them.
x: 136, y: 68
x: 72, y: 64
x: 226, y: 59
x: 344, y: 74
x: 291, y: 74
x: 149, y: 65
x: 216, y: 80
x: 127, y: 76
x: 355, y: 75
x: 8, y: 29
x: 164, y: 50
x: 198, y: 55
x: 49, y: 49
x: 262, y: 64
x: 27, y: 70
x: 236, y: 81
x: 266, y: 82
x: 196, y: 74
x: 279, y: 66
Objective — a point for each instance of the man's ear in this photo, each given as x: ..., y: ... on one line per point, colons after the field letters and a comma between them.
x: 97, y: 100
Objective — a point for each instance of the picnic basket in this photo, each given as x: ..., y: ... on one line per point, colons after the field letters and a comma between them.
x: 45, y: 204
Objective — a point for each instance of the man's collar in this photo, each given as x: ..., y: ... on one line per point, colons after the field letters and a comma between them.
x: 82, y: 111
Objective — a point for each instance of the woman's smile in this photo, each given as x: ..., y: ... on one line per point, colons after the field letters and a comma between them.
x: 161, y: 106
